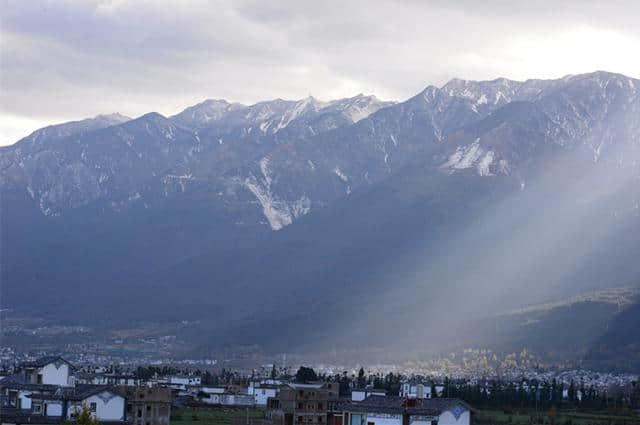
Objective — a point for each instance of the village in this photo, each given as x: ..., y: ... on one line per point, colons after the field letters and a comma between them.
x: 51, y: 390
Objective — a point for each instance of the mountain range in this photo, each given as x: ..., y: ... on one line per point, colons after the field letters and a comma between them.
x: 337, y: 226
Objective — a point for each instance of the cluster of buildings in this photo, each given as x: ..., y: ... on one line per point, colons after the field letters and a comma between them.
x: 51, y: 390
x: 46, y: 391
x: 320, y: 404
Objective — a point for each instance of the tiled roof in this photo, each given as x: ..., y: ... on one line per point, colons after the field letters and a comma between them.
x: 43, y: 361
x: 17, y: 381
x: 400, y: 405
x: 77, y: 393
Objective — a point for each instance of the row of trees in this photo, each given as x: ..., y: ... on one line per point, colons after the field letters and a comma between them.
x: 496, y: 393
x: 535, y: 394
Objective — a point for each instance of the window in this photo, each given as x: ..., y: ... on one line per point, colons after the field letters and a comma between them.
x: 93, y: 407
x: 37, y: 408
x: 148, y: 408
x: 129, y: 407
x: 139, y: 413
x: 299, y: 418
x: 39, y: 378
x: 319, y: 406
x: 300, y: 406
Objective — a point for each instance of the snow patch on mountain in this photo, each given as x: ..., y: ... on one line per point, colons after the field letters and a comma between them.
x: 340, y: 174
x: 278, y: 212
x: 180, y: 179
x: 485, y: 163
x: 464, y: 157
x: 471, y: 156
x: 299, y: 108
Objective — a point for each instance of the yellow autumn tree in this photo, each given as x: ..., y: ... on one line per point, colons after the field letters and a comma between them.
x: 84, y: 416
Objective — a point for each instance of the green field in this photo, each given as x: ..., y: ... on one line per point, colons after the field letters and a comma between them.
x: 213, y: 416
x: 549, y: 417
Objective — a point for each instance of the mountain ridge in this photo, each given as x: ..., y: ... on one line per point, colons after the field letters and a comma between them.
x: 502, y: 191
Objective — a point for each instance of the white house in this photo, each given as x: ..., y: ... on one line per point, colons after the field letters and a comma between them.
x: 226, y: 399
x: 52, y: 370
x: 418, y: 390
x: 46, y: 388
x: 210, y: 390
x: 261, y: 393
x: 42, y: 376
x: 105, y: 403
x: 185, y: 380
x: 361, y: 394
x: 378, y: 410
x: 241, y: 400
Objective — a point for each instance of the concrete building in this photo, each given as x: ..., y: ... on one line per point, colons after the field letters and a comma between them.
x: 308, y: 404
x: 147, y: 406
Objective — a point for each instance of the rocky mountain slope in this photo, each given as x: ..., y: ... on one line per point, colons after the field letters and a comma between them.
x: 343, y: 221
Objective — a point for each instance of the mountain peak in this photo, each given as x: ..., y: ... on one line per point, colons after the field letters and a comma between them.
x: 115, y: 117
x: 600, y: 77
x: 151, y: 116
x: 205, y: 112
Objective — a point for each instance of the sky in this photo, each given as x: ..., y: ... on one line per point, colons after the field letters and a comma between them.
x: 66, y: 60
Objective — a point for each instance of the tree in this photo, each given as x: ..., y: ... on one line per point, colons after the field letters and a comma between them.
x: 571, y: 393
x: 306, y: 374
x: 84, y: 416
x: 434, y: 390
x: 344, y: 384
x: 361, y: 378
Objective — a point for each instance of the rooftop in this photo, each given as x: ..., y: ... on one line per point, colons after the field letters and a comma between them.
x: 397, y: 405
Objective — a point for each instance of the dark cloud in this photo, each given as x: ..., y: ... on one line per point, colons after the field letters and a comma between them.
x: 71, y: 59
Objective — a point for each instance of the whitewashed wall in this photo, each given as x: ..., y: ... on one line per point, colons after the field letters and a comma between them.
x: 447, y: 418
x: 357, y: 395
x: 111, y: 410
x: 262, y: 395
x: 25, y: 402
x: 379, y: 419
x: 51, y: 375
x: 54, y: 409
x: 214, y: 398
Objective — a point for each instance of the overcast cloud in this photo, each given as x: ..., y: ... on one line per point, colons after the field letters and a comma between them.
x: 64, y: 60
